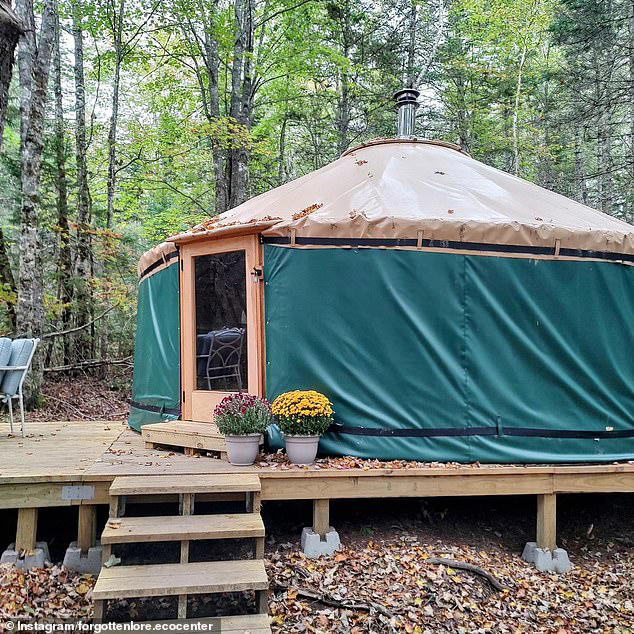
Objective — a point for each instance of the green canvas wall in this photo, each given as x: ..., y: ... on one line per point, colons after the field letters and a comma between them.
x: 433, y: 356
x: 156, y: 391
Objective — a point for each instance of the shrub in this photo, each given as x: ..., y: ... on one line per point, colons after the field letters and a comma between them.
x: 303, y: 413
x: 241, y: 414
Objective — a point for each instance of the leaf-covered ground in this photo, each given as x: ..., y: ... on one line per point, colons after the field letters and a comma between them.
x: 388, y: 585
x: 383, y: 579
x: 84, y: 398
x: 44, y: 593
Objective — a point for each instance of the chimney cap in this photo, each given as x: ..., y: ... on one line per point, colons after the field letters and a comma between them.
x: 406, y: 96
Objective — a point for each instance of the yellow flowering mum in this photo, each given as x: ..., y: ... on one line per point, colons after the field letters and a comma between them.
x: 303, y: 412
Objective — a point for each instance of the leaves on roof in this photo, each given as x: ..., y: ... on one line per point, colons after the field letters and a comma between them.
x: 307, y: 211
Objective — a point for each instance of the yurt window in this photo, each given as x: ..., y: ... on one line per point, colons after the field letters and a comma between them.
x: 221, y: 321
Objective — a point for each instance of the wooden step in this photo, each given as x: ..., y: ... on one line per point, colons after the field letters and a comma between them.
x: 163, y: 484
x: 175, y: 528
x: 157, y: 580
x: 251, y: 623
x: 203, y: 436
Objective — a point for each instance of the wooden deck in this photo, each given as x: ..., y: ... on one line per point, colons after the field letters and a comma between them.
x: 73, y: 463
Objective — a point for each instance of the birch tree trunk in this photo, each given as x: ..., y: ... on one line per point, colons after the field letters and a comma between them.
x: 516, y: 109
x: 10, y: 31
x: 83, y: 261
x: 30, y: 310
x: 27, y: 50
x: 64, y: 255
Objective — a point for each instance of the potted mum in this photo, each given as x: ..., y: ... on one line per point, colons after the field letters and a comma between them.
x: 242, y: 418
x: 303, y: 416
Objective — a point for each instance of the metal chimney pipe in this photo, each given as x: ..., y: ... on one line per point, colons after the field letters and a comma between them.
x: 406, y: 104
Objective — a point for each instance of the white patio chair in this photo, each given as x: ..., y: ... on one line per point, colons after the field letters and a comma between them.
x: 15, y: 362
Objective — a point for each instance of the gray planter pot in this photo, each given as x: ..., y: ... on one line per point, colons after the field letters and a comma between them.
x: 243, y: 450
x: 302, y: 450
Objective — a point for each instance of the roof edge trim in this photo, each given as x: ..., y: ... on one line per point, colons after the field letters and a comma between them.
x: 222, y: 232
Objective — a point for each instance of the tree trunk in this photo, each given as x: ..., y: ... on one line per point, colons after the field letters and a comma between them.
x: 29, y: 313
x: 580, y: 172
x: 604, y: 135
x: 238, y: 157
x: 281, y: 159
x: 27, y: 49
x: 112, y: 133
x: 212, y: 63
x: 6, y: 277
x: 631, y: 105
x: 516, y: 109
x: 83, y: 262
x: 64, y: 255
x: 410, y: 77
x: 10, y: 31
x: 343, y: 106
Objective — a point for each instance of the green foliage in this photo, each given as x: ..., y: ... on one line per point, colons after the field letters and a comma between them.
x: 541, y: 88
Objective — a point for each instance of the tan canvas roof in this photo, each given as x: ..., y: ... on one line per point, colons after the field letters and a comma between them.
x: 398, y: 188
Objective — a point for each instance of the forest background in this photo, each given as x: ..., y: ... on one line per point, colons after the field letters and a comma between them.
x: 124, y: 121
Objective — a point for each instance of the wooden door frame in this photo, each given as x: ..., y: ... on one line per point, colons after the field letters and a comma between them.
x: 193, y: 400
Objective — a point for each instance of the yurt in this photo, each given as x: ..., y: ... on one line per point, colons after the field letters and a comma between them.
x: 450, y: 311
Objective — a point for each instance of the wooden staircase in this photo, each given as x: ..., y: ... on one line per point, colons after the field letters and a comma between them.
x: 185, y: 578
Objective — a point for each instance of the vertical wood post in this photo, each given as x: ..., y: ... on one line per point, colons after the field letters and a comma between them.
x: 26, y: 532
x: 321, y: 517
x: 187, y: 506
x: 98, y: 611
x: 253, y: 502
x: 263, y: 601
x: 116, y: 506
x: 547, y: 521
x: 86, y: 527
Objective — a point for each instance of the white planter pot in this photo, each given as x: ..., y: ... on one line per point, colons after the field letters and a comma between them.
x: 302, y: 450
x: 243, y: 450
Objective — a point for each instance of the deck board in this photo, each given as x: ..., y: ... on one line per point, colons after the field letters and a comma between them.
x: 34, y: 470
x: 54, y: 452
x: 173, y: 579
x: 173, y: 528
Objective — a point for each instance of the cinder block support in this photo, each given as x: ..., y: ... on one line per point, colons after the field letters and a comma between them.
x: 544, y: 553
x: 313, y: 546
x: 547, y: 521
x: 85, y: 563
x: 321, y: 539
x: 37, y: 557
